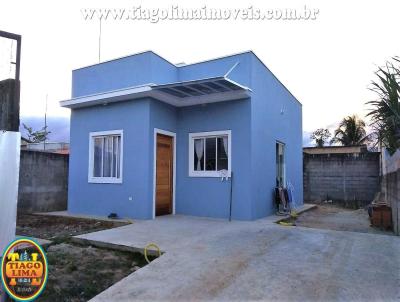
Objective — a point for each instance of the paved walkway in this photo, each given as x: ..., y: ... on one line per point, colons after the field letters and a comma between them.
x: 207, y: 259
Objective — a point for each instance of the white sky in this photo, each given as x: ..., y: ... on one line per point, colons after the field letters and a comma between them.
x: 327, y: 64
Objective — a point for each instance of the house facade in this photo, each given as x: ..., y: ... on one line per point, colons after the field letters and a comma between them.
x: 210, y: 139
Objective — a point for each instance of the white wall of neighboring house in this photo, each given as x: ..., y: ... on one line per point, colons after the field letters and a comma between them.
x: 10, y: 143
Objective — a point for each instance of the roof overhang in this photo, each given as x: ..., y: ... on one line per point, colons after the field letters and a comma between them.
x: 179, y: 94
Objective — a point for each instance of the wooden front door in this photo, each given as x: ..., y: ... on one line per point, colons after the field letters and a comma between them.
x: 164, y: 174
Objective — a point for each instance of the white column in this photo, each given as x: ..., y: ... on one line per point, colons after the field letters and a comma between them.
x: 10, y: 145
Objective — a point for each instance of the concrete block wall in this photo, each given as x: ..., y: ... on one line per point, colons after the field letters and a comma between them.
x: 43, y: 182
x: 391, y: 187
x: 9, y: 106
x: 351, y: 179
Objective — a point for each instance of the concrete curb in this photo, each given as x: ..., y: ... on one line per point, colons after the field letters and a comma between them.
x: 44, y: 243
x: 113, y: 246
x: 65, y: 214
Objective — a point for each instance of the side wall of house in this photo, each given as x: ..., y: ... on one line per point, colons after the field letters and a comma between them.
x: 276, y: 117
x: 102, y: 199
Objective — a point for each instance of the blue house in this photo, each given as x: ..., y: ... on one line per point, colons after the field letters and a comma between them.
x: 213, y: 138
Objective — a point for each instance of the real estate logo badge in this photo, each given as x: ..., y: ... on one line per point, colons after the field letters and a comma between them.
x: 24, y: 269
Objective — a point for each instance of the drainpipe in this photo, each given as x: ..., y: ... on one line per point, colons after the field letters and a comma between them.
x: 225, y: 176
x: 230, y: 199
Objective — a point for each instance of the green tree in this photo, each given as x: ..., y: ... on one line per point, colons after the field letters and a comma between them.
x: 385, y: 111
x: 320, y: 136
x: 37, y: 136
x: 351, y: 132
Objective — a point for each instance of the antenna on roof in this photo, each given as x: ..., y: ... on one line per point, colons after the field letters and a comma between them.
x: 45, y: 123
x: 100, y: 41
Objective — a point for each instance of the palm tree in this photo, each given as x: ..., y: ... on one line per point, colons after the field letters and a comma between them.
x: 351, y: 132
x: 385, y: 114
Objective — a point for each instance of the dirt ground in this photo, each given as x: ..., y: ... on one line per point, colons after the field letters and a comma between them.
x: 340, y: 219
x: 52, y: 227
x: 77, y: 272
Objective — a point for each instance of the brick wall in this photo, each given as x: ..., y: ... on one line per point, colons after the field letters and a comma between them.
x: 351, y: 179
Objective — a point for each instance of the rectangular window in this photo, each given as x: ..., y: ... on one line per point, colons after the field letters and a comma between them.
x: 280, y: 164
x: 105, y: 157
x: 210, y: 154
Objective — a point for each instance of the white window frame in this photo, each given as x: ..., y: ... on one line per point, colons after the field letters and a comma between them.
x: 104, y: 180
x: 192, y: 137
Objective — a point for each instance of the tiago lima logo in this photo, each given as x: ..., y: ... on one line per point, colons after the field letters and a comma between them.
x: 24, y: 269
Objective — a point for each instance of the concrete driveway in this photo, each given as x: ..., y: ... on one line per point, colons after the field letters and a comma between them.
x: 208, y: 259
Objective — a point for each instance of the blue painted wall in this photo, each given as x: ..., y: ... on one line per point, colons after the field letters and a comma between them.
x: 202, y: 196
x: 139, y: 69
x: 219, y: 67
x: 256, y: 125
x: 102, y: 199
x: 269, y: 125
